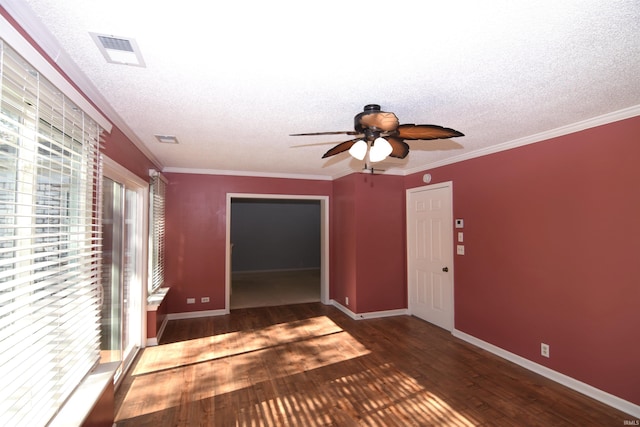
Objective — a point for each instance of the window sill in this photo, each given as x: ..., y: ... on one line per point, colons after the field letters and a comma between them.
x: 155, y: 299
x: 84, y: 398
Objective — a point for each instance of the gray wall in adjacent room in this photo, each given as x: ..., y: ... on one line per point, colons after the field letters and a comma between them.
x: 270, y: 234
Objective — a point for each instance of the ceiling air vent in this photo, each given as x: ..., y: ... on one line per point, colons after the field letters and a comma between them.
x: 166, y: 139
x: 118, y: 50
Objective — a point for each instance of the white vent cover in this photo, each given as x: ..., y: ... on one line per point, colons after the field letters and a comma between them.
x: 166, y: 139
x: 118, y: 50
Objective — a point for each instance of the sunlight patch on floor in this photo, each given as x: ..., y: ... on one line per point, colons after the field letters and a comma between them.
x: 387, y: 387
x: 178, y: 354
x: 267, y: 361
x: 205, y: 368
x: 385, y: 395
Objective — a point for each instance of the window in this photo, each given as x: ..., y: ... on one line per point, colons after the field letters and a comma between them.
x: 156, y: 236
x: 49, y: 244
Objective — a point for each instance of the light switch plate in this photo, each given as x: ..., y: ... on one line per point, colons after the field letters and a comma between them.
x: 460, y: 236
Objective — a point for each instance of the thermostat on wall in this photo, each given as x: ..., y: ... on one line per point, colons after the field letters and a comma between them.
x: 459, y: 223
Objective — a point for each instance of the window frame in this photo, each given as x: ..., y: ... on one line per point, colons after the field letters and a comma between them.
x: 157, y: 232
x: 130, y: 181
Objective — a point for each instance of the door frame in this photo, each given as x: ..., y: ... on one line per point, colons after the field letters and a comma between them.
x: 120, y: 174
x: 324, y: 239
x: 446, y: 185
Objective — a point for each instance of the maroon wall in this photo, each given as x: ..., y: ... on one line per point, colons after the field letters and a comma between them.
x: 369, y: 243
x: 344, y: 242
x: 155, y: 319
x: 381, y: 243
x: 196, y: 231
x: 120, y: 149
x: 367, y: 261
x: 552, y: 239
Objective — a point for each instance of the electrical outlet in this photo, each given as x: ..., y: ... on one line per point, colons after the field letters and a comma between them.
x: 191, y: 300
x: 544, y: 349
x: 460, y: 249
x: 204, y: 299
x: 346, y: 300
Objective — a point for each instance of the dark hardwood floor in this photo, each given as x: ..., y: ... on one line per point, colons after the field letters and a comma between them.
x: 311, y: 365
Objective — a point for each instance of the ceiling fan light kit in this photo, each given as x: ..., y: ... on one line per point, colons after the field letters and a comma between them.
x: 380, y: 134
x: 359, y: 150
x: 380, y: 150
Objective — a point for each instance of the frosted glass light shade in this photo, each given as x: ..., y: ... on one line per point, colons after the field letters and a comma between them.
x: 380, y: 150
x: 358, y: 150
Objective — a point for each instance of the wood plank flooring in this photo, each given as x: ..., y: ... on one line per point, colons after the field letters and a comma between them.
x: 311, y: 365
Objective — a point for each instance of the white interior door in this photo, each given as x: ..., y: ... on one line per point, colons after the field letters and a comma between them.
x: 430, y: 253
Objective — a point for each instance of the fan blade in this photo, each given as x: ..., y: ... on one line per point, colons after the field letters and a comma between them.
x: 426, y: 132
x: 342, y: 147
x: 346, y: 132
x: 400, y: 148
x: 384, y: 121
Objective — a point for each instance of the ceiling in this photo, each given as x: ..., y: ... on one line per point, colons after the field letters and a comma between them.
x: 231, y: 80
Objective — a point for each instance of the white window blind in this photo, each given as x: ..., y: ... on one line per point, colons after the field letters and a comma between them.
x: 49, y: 244
x: 156, y: 237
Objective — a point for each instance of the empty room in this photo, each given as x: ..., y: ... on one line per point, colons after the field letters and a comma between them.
x: 328, y: 214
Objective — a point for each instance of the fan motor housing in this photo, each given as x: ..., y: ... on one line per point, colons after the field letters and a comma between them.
x: 368, y: 109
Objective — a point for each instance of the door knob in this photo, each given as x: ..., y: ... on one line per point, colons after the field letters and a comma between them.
x: 445, y: 269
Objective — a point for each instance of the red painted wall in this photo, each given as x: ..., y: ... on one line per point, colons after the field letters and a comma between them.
x: 120, y: 149
x: 196, y: 231
x: 552, y: 239
x: 155, y: 318
x: 369, y: 245
x: 344, y: 242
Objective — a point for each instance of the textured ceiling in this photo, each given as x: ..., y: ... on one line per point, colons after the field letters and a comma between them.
x: 231, y: 80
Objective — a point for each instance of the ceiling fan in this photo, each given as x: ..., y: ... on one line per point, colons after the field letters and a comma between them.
x: 379, y: 134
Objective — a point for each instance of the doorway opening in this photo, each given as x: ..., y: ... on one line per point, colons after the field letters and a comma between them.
x: 277, y: 250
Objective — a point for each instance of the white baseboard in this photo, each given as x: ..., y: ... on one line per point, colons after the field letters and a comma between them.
x: 196, y: 314
x: 155, y: 340
x: 597, y: 394
x: 369, y: 315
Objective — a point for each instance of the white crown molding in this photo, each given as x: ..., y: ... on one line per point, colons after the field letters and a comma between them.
x: 245, y: 173
x: 604, y: 119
